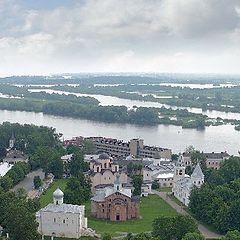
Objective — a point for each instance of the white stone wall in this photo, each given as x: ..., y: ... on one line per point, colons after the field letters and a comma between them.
x: 62, y: 224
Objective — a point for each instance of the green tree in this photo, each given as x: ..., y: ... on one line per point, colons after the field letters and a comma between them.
x: 155, y: 184
x: 21, y: 193
x: 198, y: 157
x: 3, y: 152
x: 232, y: 235
x: 168, y: 228
x: 6, y: 183
x: 73, y: 149
x: 37, y: 182
x: 193, y: 236
x: 89, y: 147
x: 21, y: 224
x: 56, y: 168
x: 77, y: 164
x: 78, y: 190
x: 137, y: 184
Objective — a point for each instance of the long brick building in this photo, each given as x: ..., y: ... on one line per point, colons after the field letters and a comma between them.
x: 134, y: 147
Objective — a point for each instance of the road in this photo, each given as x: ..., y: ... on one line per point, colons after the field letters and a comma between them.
x: 208, y: 234
x: 27, y: 182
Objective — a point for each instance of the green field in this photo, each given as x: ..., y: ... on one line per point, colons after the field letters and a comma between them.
x: 151, y: 207
x: 47, y: 197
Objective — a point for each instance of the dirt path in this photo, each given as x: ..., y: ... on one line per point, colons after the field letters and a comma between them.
x: 208, y: 234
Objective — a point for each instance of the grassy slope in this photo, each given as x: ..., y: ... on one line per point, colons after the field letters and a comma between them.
x: 47, y: 197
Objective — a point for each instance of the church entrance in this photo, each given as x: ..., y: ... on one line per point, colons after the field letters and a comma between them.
x: 117, y: 217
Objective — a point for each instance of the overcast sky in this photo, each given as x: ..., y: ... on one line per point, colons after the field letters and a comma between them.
x: 56, y: 36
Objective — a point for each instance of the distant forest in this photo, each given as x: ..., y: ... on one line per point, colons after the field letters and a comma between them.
x: 124, y: 78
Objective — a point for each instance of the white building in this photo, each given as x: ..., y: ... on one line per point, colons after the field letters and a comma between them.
x: 161, y: 170
x: 4, y: 168
x: 67, y: 158
x: 58, y: 219
x: 183, y: 184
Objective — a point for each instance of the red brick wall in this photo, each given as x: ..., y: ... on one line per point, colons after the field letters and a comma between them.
x: 117, y: 207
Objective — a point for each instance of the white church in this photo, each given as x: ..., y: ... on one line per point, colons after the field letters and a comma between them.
x: 183, y: 183
x: 62, y: 220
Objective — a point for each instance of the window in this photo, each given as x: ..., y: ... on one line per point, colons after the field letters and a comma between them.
x: 64, y: 221
x: 54, y: 220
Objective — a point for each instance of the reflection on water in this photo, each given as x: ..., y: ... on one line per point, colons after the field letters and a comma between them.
x: 218, y: 138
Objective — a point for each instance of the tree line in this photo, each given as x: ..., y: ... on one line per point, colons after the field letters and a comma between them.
x: 217, y: 202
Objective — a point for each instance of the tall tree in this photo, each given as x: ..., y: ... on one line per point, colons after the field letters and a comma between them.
x: 193, y: 236
x: 168, y: 228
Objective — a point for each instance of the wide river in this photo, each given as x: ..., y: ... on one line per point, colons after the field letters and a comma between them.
x: 220, y: 138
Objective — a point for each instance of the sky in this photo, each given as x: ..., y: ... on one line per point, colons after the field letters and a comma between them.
x: 74, y: 36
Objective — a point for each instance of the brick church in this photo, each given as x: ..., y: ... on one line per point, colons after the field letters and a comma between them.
x: 115, y: 203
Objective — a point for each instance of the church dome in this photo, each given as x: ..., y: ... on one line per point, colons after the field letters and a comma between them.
x: 103, y: 156
x: 58, y: 194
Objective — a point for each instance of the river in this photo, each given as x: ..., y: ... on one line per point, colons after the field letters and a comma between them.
x: 115, y: 101
x: 218, y: 138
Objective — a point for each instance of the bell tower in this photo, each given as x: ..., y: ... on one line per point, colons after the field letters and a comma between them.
x: 11, y: 141
x: 117, y: 183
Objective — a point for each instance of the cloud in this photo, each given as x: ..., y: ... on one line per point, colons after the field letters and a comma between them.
x: 113, y: 35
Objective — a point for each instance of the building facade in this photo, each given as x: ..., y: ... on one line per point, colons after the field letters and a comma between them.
x: 213, y: 159
x: 161, y: 170
x: 15, y: 156
x: 62, y: 220
x: 183, y: 184
x: 103, y: 171
x: 115, y: 203
x: 119, y: 148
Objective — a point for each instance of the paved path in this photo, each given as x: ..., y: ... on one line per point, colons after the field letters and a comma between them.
x: 208, y: 234
x: 27, y: 182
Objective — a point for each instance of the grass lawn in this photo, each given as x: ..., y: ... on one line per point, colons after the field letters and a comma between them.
x: 151, y: 207
x: 47, y: 197
x: 165, y: 189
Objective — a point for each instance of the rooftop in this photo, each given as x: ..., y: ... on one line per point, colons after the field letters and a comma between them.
x: 197, y: 172
x: 4, y: 168
x: 63, y: 208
